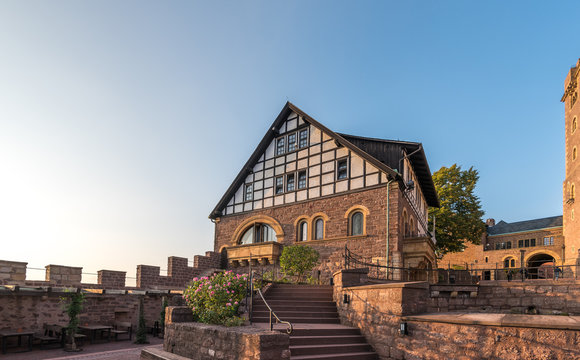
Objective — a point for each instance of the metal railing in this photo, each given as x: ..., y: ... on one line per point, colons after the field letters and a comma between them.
x: 273, y: 315
x: 462, y: 274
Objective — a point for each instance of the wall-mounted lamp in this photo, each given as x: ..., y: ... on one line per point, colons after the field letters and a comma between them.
x: 403, y: 329
x: 345, y: 299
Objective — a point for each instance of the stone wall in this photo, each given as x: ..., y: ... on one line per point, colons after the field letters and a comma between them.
x: 12, y: 271
x: 378, y: 310
x: 30, y: 308
x: 179, y: 274
x: 202, y: 341
x: 335, y: 209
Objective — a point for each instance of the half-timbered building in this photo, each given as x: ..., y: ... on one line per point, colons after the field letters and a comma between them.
x: 305, y: 184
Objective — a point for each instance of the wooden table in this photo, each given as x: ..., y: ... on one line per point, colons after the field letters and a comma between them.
x: 5, y: 334
x: 93, y: 329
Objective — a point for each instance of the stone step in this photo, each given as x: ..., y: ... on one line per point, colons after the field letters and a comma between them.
x: 326, y: 349
x: 326, y: 332
x: 299, y: 320
x: 290, y: 314
x: 344, y: 356
x: 322, y: 340
x: 293, y: 286
x: 262, y: 307
x: 298, y: 297
x: 286, y: 302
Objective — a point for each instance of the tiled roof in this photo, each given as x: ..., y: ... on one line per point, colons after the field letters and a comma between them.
x: 503, y: 227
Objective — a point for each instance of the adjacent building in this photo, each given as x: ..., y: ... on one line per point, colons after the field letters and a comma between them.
x: 306, y: 184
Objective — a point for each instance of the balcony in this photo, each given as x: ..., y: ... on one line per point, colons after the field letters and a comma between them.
x: 259, y: 253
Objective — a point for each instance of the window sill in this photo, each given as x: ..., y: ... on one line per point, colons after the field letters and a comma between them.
x: 327, y: 240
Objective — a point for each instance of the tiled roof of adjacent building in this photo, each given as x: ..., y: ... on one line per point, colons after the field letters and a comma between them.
x: 503, y: 227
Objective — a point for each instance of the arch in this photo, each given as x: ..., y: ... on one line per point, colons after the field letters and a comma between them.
x: 360, y: 229
x: 264, y: 219
x: 550, y: 253
x: 313, y: 226
x: 405, y: 223
x: 508, y: 260
x: 540, y: 264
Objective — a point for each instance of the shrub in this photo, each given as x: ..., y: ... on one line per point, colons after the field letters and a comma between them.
x: 297, y: 260
x: 141, y: 335
x: 73, y: 305
x: 216, y: 300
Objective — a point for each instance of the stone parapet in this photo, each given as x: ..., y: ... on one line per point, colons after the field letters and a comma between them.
x: 205, y: 342
x: 64, y: 275
x: 111, y: 279
x: 12, y: 271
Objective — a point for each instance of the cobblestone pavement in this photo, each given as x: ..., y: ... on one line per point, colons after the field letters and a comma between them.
x: 121, y: 350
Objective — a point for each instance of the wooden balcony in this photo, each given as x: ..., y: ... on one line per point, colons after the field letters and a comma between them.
x: 260, y: 253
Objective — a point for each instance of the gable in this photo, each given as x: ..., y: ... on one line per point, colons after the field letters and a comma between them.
x: 301, y: 163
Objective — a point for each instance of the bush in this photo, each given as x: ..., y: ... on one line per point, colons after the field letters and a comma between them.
x: 141, y: 335
x: 297, y: 260
x: 216, y: 300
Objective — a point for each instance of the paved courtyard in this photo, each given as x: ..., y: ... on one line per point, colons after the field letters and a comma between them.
x: 120, y: 350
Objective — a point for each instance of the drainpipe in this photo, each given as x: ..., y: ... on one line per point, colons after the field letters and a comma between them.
x: 388, y: 209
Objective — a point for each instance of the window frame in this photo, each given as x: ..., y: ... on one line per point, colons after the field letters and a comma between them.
x: 314, y: 228
x: 249, y: 187
x: 338, y: 170
x: 302, y: 235
x: 276, y: 185
x: 305, y: 183
x: 281, y: 145
x: 293, y: 144
x: 307, y: 138
x: 351, y: 223
x: 290, y: 181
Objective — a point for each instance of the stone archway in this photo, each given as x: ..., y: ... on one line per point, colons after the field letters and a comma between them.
x: 541, y: 265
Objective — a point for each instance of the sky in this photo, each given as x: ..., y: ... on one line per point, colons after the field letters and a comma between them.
x: 123, y: 123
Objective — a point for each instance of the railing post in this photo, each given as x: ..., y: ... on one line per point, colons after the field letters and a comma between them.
x: 271, y: 325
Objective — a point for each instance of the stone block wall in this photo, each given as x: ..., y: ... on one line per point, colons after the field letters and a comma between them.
x: 64, y: 275
x: 179, y: 274
x: 29, y: 310
x: 111, y: 279
x: 205, y: 342
x: 12, y: 271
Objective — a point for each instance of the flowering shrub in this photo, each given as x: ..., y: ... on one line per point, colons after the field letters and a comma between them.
x: 215, y: 300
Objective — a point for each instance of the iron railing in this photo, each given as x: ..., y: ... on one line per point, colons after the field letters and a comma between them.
x: 250, y: 306
x: 274, y: 316
x: 458, y: 274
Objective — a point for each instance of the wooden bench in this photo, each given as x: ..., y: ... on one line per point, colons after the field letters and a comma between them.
x: 120, y: 328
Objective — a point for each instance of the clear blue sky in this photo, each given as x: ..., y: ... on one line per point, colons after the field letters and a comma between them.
x: 123, y: 123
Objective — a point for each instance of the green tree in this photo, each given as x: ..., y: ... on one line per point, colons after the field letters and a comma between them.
x: 73, y: 305
x: 141, y: 336
x: 459, y: 217
x: 297, y: 260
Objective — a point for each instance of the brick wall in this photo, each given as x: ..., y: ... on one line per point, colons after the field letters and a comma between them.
x: 29, y: 310
x: 179, y: 274
x: 64, y: 275
x: 111, y: 279
x: 12, y: 272
x: 331, y: 249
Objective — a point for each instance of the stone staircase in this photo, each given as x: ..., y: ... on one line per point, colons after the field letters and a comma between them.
x: 317, y: 331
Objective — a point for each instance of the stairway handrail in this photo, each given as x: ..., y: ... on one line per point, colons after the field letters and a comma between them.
x: 272, y: 313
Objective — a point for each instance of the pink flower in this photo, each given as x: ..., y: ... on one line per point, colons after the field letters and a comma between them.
x: 211, y: 293
x: 228, y: 304
x: 194, y: 279
x: 236, y: 303
x: 210, y: 287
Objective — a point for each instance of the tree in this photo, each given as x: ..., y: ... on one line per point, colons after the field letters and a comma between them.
x: 73, y: 305
x: 297, y: 260
x: 141, y: 336
x: 459, y: 217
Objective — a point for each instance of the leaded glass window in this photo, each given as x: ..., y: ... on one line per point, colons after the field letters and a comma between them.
x: 249, y: 192
x: 291, y: 142
x: 303, y: 139
x: 279, y: 185
x: 342, y: 169
x: 301, y: 179
x: 280, y: 146
x: 290, y: 182
x: 357, y: 221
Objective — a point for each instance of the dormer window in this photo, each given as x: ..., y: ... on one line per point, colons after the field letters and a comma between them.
x: 280, y: 146
x: 291, y: 142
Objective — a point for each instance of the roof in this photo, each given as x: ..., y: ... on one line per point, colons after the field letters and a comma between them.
x: 382, y: 150
x: 503, y: 227
x: 344, y: 140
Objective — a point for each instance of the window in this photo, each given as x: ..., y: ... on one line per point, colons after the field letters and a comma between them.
x: 509, y: 262
x: 506, y: 263
x: 303, y: 139
x: 302, y: 179
x: 291, y: 142
x: 532, y: 242
x: 508, y: 245
x: 290, y: 182
x: 249, y: 192
x: 302, y: 231
x: 318, y: 229
x: 572, y: 191
x: 280, y: 146
x: 258, y: 233
x: 574, y: 153
x: 342, y: 169
x: 356, y: 224
x: 497, y: 246
x: 527, y: 243
x: 486, y: 259
x: 520, y: 243
x: 512, y: 263
x: 548, y: 240
x: 279, y: 185
x: 574, y: 125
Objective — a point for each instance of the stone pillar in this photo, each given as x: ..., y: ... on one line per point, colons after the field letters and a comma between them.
x: 147, y: 276
x: 110, y: 279
x: 63, y: 275
x: 12, y: 272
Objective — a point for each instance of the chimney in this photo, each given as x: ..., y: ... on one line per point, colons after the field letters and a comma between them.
x: 490, y: 222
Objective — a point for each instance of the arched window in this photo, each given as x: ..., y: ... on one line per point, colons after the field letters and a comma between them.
x: 506, y: 263
x: 318, y: 229
x: 574, y: 125
x: 356, y: 223
x: 411, y: 227
x: 302, y: 231
x: 572, y: 191
x: 486, y: 259
x: 574, y: 153
x: 509, y: 262
x: 512, y: 263
x: 405, y: 224
x: 258, y: 233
